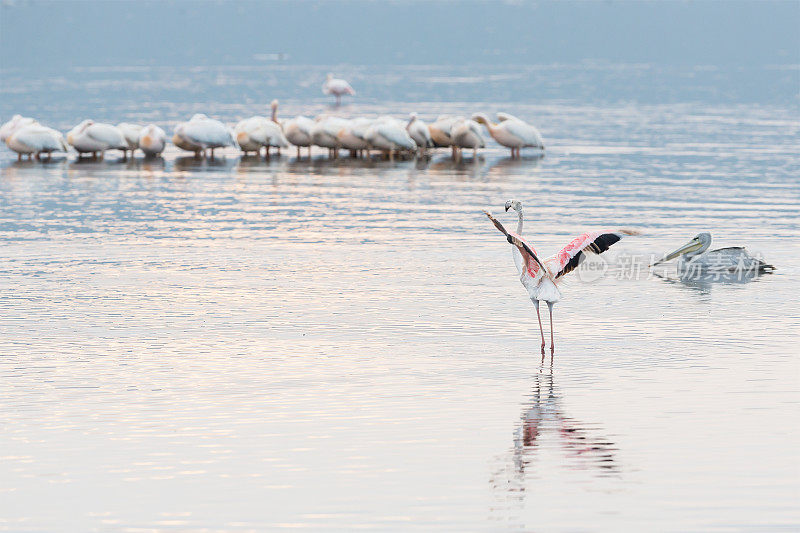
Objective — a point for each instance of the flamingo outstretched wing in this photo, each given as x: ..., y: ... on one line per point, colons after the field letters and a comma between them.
x: 595, y: 242
x: 516, y: 240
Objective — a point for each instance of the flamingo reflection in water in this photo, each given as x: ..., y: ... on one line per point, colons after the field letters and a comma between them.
x: 544, y: 424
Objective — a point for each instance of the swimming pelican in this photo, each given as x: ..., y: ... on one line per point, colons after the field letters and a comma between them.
x: 418, y: 131
x: 131, y: 133
x: 16, y: 122
x: 93, y: 137
x: 202, y: 133
x: 390, y: 135
x: 466, y: 133
x: 298, y: 132
x: 512, y: 133
x: 695, y: 260
x: 337, y: 87
x: 35, y: 139
x: 152, y: 140
x: 540, y: 278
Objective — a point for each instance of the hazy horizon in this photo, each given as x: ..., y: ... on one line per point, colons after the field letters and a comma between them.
x: 48, y: 34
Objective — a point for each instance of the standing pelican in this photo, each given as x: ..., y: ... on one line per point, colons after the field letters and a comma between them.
x: 131, y: 133
x: 696, y: 261
x: 16, y: 122
x: 512, y: 133
x: 540, y: 278
x: 298, y: 132
x: 390, y: 135
x: 152, y: 140
x: 337, y: 87
x: 467, y: 134
x: 202, y: 133
x: 96, y: 137
x: 35, y: 139
x: 418, y: 131
x: 353, y: 135
x: 325, y: 133
x: 255, y: 132
x: 440, y: 131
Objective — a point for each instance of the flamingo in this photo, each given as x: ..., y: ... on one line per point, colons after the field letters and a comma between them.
x: 298, y: 132
x: 152, y: 140
x: 511, y: 132
x: 696, y: 261
x: 202, y: 133
x: 131, y: 133
x: 540, y: 278
x: 466, y: 133
x: 337, y: 87
x: 16, y: 122
x: 418, y: 131
x: 36, y: 139
x: 93, y: 137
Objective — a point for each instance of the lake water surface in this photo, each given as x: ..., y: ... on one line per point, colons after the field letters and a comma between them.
x: 249, y: 345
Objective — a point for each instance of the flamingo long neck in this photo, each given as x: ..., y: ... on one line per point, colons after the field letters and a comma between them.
x: 519, y: 223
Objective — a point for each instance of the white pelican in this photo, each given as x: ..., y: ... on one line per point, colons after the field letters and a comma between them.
x: 696, y: 261
x: 93, y: 137
x: 337, y: 87
x: 440, y: 130
x: 202, y: 133
x: 298, y: 132
x: 325, y: 133
x: 353, y: 136
x: 131, y: 133
x: 466, y: 133
x: 389, y: 134
x: 418, y: 131
x: 511, y: 132
x: 540, y: 278
x: 152, y: 140
x: 16, y: 122
x: 254, y: 132
x: 36, y: 139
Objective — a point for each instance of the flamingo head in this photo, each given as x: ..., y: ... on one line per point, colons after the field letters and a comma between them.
x: 516, y: 205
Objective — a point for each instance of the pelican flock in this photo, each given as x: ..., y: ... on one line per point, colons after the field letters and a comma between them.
x: 361, y: 136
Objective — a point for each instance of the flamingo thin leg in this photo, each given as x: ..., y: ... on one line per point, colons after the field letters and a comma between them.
x: 541, y: 330
x: 552, y: 345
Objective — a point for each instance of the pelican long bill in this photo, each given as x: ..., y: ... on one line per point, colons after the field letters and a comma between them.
x: 692, y: 245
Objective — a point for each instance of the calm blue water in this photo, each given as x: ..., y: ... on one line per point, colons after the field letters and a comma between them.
x: 250, y: 345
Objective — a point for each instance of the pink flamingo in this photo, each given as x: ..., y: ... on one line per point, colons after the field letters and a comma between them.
x: 337, y: 87
x: 540, y: 278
